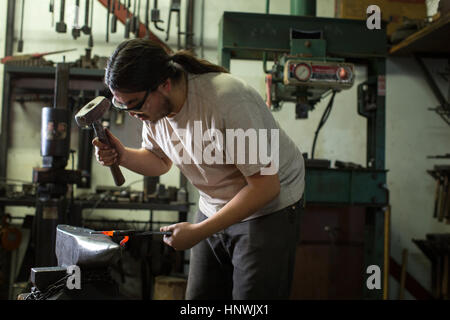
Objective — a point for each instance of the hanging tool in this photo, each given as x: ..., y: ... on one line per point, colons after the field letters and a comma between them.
x: 147, y: 29
x: 138, y: 20
x: 30, y: 56
x: 61, y: 26
x: 127, y: 233
x: 175, y: 6
x: 114, y: 18
x: 436, y: 195
x: 443, y: 198
x: 133, y: 19
x: 85, y: 28
x: 75, y: 26
x: 154, y: 16
x: 52, y: 11
x: 128, y: 22
x: 20, y: 42
x: 107, y: 20
x: 91, y: 39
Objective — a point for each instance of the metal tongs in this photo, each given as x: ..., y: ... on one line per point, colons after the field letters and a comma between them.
x: 127, y: 233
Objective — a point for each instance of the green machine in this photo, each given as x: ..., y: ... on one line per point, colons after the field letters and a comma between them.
x: 312, y: 57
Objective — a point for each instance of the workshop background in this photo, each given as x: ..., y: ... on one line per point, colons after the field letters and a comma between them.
x: 413, y: 133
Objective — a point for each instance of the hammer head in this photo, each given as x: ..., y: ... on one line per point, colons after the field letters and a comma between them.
x: 92, y: 111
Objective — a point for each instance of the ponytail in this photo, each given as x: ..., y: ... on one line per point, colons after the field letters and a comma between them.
x: 195, y: 65
x: 142, y: 64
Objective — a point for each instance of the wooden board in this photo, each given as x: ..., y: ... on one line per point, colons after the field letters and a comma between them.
x: 434, y: 39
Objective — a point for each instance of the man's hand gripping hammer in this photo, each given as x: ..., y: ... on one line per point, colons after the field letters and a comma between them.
x: 91, y: 114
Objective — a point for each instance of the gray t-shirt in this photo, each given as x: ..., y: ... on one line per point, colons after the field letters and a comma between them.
x: 224, y: 133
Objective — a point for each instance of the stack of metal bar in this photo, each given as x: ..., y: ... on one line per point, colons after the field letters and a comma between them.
x: 437, y: 248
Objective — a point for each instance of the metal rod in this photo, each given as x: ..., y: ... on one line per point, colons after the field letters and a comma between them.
x: 387, y: 228
x: 437, y: 92
x: 107, y: 20
x: 6, y: 100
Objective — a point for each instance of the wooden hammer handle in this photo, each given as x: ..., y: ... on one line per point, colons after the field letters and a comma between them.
x: 115, y: 170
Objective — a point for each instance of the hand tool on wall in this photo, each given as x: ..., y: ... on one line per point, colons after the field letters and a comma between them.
x: 76, y: 26
x: 446, y: 198
x: 128, y: 22
x: 147, y: 28
x: 86, y: 29
x: 31, y: 56
x: 20, y: 42
x: 90, y: 115
x: 133, y: 19
x: 61, y: 26
x: 52, y: 11
x: 441, y: 210
x: 442, y: 199
x: 107, y: 20
x: 114, y: 17
x: 138, y: 20
x: 436, y: 195
x: 133, y: 233
x: 91, y: 38
x: 154, y: 16
x: 175, y: 6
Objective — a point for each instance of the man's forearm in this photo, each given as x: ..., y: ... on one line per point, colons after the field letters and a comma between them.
x: 247, y: 201
x: 144, y: 162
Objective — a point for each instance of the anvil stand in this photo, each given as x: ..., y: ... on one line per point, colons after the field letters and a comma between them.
x: 91, y: 254
x: 52, y: 204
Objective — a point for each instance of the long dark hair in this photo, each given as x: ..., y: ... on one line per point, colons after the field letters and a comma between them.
x: 142, y: 64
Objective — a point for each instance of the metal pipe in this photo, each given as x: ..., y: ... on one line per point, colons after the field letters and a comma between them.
x: 303, y: 8
x: 202, y: 28
x: 265, y: 53
x: 10, y: 28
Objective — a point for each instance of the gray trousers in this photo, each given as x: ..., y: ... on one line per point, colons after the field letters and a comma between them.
x: 250, y: 260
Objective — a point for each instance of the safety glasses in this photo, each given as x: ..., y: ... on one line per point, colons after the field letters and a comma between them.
x: 124, y: 107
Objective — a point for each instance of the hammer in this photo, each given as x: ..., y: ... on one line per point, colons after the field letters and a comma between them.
x: 91, y: 114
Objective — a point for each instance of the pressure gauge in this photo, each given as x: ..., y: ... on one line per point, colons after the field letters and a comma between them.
x: 302, y: 72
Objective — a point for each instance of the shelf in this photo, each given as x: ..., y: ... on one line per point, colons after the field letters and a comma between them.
x: 183, y: 207
x: 31, y: 202
x: 43, y: 78
x: 433, y: 40
x: 50, y: 71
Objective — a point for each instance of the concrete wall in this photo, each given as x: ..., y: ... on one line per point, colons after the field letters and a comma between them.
x: 412, y: 131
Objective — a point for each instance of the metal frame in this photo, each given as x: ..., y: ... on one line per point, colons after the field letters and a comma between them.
x: 250, y: 36
x: 6, y: 87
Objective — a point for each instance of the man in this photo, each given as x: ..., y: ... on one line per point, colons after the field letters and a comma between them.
x: 196, y: 115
